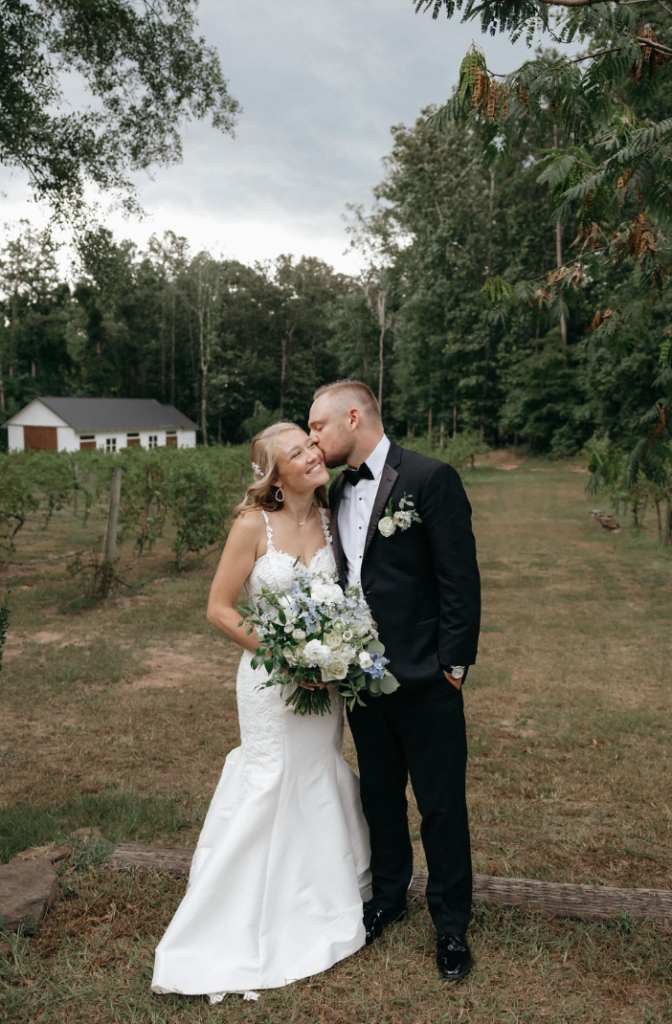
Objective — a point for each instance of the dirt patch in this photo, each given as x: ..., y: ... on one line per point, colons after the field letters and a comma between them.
x: 169, y: 667
x: 499, y: 458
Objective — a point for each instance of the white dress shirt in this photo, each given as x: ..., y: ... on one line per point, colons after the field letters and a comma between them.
x: 354, y: 515
x: 355, y: 509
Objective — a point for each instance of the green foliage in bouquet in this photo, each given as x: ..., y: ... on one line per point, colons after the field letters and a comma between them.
x: 314, y: 635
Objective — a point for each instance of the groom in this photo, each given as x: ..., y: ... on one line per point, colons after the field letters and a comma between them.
x: 420, y: 577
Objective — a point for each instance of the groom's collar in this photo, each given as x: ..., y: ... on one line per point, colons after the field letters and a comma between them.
x: 393, y: 455
x: 378, y: 457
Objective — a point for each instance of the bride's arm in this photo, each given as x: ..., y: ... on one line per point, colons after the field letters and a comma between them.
x: 235, y: 565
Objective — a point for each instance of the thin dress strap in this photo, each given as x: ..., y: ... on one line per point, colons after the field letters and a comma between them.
x: 325, y: 524
x: 269, y: 530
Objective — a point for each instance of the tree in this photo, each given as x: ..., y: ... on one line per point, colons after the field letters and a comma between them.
x: 170, y: 257
x: 305, y: 289
x: 28, y: 282
x: 205, y: 299
x: 145, y: 73
x: 612, y: 173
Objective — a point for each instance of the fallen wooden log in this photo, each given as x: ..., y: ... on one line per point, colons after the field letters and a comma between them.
x: 173, y: 860
x: 560, y: 898
x: 568, y: 900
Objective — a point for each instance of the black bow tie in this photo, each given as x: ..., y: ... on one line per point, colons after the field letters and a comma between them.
x: 353, y: 476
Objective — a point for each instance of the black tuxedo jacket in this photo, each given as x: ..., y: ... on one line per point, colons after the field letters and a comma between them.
x: 422, y: 584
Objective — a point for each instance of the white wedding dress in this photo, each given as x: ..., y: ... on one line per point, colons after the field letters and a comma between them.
x: 282, y: 864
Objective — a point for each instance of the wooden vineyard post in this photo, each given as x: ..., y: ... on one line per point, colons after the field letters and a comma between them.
x: 113, y: 516
x: 75, y: 496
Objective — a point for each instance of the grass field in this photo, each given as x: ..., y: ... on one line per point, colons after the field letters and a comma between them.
x: 121, y: 715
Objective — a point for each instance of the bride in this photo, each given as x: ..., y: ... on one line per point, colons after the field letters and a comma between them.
x: 281, y: 867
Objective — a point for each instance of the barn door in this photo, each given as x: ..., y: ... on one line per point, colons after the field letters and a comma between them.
x: 40, y: 438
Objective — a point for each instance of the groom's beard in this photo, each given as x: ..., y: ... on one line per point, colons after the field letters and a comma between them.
x: 337, y: 456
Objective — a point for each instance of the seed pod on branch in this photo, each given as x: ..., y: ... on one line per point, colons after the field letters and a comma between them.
x: 491, y: 102
x: 651, y: 57
x: 641, y: 240
x: 480, y: 89
x: 658, y: 275
x: 622, y: 185
x: 591, y: 235
x: 599, y: 318
x: 573, y: 274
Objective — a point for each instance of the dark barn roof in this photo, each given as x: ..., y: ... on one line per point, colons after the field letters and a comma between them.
x: 91, y: 414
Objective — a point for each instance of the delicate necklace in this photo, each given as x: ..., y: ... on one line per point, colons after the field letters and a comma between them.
x: 309, y: 516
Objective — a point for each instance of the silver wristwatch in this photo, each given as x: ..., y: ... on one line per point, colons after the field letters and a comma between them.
x: 457, y: 671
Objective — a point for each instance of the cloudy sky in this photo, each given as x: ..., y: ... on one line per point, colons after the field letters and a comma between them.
x: 320, y: 82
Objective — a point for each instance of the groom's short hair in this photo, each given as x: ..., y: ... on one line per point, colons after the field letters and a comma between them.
x: 356, y: 391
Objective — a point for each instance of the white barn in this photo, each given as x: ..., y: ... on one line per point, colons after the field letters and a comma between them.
x: 71, y: 424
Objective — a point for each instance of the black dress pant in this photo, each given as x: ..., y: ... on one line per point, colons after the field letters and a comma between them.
x: 422, y: 734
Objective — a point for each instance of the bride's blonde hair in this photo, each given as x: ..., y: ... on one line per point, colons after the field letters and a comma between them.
x: 261, y: 493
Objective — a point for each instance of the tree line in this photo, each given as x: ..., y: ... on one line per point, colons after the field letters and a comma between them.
x: 517, y: 255
x: 233, y: 346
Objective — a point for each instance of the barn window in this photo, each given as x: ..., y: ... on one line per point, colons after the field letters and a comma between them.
x: 153, y: 441
x: 110, y: 444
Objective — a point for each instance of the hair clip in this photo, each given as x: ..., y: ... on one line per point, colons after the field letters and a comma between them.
x: 257, y: 470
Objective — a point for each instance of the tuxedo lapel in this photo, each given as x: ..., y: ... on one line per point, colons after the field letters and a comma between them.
x: 387, y: 482
x: 335, y: 500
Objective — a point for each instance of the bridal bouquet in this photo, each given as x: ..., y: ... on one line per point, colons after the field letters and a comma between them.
x: 316, y: 633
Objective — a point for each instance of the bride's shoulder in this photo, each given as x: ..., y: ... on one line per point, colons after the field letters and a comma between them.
x: 249, y: 525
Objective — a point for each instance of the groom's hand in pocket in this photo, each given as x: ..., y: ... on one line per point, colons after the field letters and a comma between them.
x: 457, y: 683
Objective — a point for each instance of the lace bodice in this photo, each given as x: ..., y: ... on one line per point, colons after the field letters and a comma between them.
x: 276, y: 570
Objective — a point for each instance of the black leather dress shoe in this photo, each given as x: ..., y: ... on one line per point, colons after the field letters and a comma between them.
x: 453, y: 957
x: 375, y: 919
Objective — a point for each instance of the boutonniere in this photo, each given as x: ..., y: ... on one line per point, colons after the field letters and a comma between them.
x: 402, y: 519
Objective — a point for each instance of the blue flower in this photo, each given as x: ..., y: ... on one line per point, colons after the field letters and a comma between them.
x: 377, y: 670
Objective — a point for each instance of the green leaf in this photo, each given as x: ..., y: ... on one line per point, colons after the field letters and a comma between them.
x: 388, y: 684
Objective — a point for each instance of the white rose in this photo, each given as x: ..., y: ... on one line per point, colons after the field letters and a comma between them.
x: 326, y: 593
x: 299, y: 634
x: 317, y: 654
x: 387, y: 526
x: 333, y: 639
x: 346, y: 653
x: 289, y: 628
x: 336, y: 669
x: 364, y: 627
x: 365, y: 660
x: 348, y: 635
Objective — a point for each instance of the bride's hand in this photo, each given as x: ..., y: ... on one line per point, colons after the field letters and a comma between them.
x: 315, y: 685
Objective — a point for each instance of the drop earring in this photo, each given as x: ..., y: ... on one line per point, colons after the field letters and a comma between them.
x: 280, y: 495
